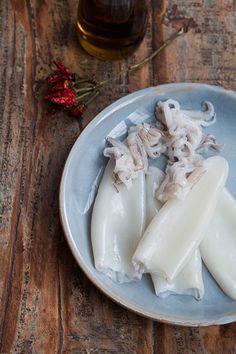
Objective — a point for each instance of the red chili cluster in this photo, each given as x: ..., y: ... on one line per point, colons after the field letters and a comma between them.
x: 63, y: 85
x: 73, y: 93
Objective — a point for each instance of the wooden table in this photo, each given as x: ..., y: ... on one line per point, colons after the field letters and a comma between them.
x: 47, y: 305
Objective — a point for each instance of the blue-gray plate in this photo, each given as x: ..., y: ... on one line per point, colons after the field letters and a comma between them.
x: 80, y: 180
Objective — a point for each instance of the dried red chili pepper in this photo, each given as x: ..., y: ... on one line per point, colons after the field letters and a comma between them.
x: 64, y: 97
x: 73, y: 93
x: 63, y: 69
x: 78, y: 111
x: 61, y: 86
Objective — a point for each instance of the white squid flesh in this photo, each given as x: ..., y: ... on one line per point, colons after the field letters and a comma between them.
x: 189, y: 281
x: 179, y: 227
x: 218, y: 248
x: 118, y: 222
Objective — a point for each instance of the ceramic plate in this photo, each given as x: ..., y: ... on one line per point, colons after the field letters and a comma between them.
x: 81, y: 177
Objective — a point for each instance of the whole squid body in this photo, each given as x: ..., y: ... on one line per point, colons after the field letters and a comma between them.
x: 179, y: 227
x: 118, y: 222
x: 189, y: 281
x: 218, y: 248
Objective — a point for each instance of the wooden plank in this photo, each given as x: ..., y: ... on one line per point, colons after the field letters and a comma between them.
x: 205, y: 54
x: 47, y: 305
x: 195, y: 340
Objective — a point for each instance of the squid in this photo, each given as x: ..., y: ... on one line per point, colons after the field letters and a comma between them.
x: 184, y: 142
x: 218, y: 248
x: 178, y: 134
x: 189, y: 281
x: 118, y: 222
x: 131, y: 155
x: 154, y: 178
x: 180, y: 225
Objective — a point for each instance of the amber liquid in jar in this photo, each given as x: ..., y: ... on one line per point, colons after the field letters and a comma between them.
x: 111, y: 29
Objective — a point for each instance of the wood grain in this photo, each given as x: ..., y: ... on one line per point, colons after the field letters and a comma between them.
x: 47, y: 305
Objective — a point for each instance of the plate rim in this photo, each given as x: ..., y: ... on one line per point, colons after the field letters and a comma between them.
x: 121, y: 102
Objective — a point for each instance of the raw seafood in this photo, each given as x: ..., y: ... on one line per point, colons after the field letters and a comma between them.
x: 179, y: 227
x: 118, y: 222
x: 218, y: 248
x: 189, y: 280
x: 154, y: 179
x: 184, y: 141
x: 131, y: 155
x: 178, y: 134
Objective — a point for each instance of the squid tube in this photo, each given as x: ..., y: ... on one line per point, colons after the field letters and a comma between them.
x: 179, y: 227
x: 218, y: 248
x: 118, y: 222
x: 189, y: 281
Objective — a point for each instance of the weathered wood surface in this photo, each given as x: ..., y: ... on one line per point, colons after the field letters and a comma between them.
x: 47, y: 305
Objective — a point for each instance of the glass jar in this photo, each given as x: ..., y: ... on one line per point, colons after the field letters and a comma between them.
x: 111, y: 29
